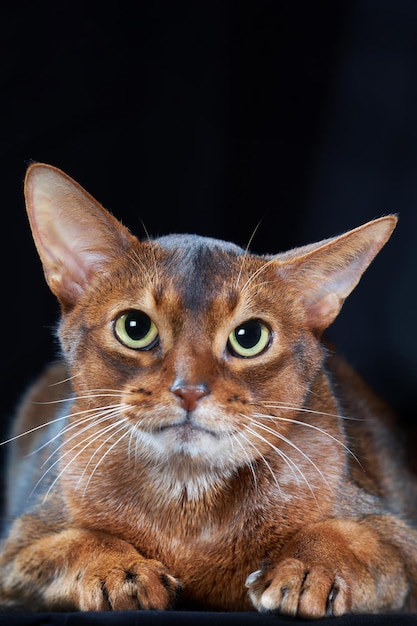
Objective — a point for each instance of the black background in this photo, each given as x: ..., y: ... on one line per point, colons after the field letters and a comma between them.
x: 208, y: 117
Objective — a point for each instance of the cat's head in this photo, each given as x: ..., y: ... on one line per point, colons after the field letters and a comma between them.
x: 196, y: 349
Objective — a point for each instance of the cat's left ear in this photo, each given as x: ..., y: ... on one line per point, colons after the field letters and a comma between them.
x: 74, y: 235
x: 325, y: 273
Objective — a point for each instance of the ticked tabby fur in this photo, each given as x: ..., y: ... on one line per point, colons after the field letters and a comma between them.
x: 198, y: 444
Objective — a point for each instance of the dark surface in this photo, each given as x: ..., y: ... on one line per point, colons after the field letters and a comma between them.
x: 208, y: 117
x: 159, y: 618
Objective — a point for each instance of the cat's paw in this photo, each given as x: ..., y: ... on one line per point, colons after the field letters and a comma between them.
x: 125, y: 585
x: 295, y: 588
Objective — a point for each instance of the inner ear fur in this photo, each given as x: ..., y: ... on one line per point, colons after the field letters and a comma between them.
x: 74, y: 235
x: 325, y: 273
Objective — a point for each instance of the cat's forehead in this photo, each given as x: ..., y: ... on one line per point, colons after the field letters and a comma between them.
x: 197, y: 243
x: 201, y: 269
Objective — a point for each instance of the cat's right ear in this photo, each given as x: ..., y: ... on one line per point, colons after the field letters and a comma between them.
x: 74, y: 235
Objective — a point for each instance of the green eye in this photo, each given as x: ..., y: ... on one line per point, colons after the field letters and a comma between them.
x: 249, y: 339
x: 136, y: 330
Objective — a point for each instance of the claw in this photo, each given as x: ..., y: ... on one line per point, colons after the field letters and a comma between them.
x: 253, y: 577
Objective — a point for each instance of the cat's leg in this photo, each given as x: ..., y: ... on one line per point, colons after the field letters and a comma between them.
x: 79, y: 569
x: 338, y: 566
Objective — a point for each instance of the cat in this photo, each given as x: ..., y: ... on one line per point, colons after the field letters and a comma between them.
x: 200, y: 444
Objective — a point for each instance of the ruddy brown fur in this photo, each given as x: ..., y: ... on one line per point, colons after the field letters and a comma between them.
x: 199, y: 444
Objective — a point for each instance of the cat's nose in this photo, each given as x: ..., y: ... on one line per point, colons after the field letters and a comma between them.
x: 189, y: 394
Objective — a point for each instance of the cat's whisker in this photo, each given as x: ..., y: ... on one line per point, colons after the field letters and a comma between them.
x: 63, y: 381
x: 282, y: 405
x: 148, y: 237
x: 312, y: 426
x: 135, y: 256
x: 246, y: 254
x: 266, y: 463
x: 256, y: 273
x: 249, y: 462
x: 109, y: 414
x: 292, y: 466
x: 136, y: 438
x: 143, y: 268
x: 99, y: 390
x: 293, y: 445
x: 58, y: 460
x: 92, y: 438
x: 33, y: 430
x: 123, y: 427
x: 132, y: 438
x: 120, y: 424
x: 288, y: 461
x: 46, y: 424
x: 155, y: 263
x: 75, y: 424
x: 256, y: 286
x: 290, y: 443
x: 90, y: 421
x: 90, y: 396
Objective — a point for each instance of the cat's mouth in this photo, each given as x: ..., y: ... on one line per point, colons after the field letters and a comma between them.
x: 187, y: 429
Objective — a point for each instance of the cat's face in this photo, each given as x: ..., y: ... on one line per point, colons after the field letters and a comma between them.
x: 189, y: 352
x: 196, y: 340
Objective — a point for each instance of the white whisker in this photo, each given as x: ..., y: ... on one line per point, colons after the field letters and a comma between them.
x: 255, y: 274
x: 312, y: 426
x: 249, y: 462
x: 129, y: 445
x: 96, y: 412
x: 32, y: 430
x: 91, y: 421
x: 124, y: 427
x: 288, y: 461
x: 50, y: 423
x: 290, y: 443
x: 246, y: 253
x: 63, y: 381
x: 87, y: 397
x: 281, y: 405
x: 268, y: 466
x: 134, y: 256
x: 93, y: 437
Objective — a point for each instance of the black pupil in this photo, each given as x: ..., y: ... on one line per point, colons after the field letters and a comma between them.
x: 248, y: 335
x: 137, y: 325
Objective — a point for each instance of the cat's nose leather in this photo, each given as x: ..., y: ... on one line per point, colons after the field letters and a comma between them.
x: 189, y: 394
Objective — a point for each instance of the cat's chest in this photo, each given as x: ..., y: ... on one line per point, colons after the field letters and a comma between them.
x: 201, y: 514
x: 188, y: 533
x: 218, y: 553
x: 206, y: 538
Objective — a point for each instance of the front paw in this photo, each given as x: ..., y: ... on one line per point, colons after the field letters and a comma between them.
x: 295, y: 588
x: 125, y: 584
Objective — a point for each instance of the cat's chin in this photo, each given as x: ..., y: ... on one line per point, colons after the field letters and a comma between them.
x: 187, y: 442
x: 187, y: 439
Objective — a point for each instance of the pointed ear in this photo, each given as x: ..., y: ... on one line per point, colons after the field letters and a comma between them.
x: 326, y: 273
x: 75, y: 237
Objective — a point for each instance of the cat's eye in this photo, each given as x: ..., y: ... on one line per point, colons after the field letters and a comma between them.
x: 249, y: 339
x: 136, y: 330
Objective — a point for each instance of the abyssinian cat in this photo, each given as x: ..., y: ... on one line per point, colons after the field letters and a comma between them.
x: 199, y: 444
